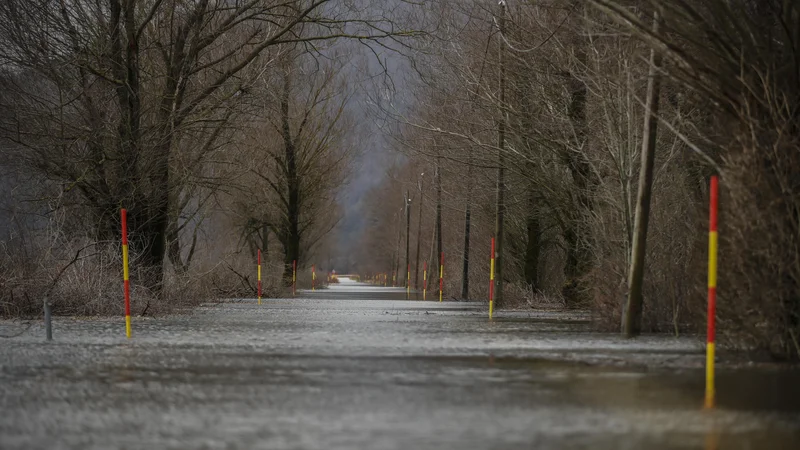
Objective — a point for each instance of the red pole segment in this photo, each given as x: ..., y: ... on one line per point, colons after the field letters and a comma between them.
x: 294, y: 278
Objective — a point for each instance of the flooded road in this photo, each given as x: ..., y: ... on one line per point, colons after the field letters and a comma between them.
x: 357, y: 366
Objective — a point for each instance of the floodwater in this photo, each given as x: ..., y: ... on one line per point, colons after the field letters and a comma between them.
x: 358, y: 367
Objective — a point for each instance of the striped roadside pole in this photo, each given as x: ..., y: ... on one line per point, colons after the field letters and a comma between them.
x: 491, y: 282
x: 425, y: 280
x: 294, y: 278
x: 259, y: 276
x: 441, y: 277
x: 712, y: 291
x: 313, y: 277
x: 126, y: 284
x: 408, y: 282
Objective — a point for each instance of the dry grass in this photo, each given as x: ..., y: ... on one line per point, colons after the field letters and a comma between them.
x: 91, y: 283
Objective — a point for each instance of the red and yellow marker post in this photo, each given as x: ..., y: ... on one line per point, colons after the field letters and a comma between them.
x: 126, y: 284
x: 712, y: 291
x: 408, y: 281
x: 425, y: 280
x: 294, y: 278
x: 313, y: 277
x: 491, y: 282
x: 441, y: 276
x: 259, y: 276
x: 394, y: 279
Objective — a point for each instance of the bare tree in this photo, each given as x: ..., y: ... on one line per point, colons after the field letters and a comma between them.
x: 113, y: 89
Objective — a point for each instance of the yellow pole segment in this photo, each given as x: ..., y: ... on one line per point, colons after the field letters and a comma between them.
x: 491, y: 285
x: 425, y: 283
x: 126, y: 280
x: 441, y: 277
x: 125, y: 270
x: 127, y: 286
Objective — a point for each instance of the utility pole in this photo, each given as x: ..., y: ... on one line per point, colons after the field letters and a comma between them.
x: 419, y: 231
x: 632, y: 316
x: 438, y: 208
x: 501, y: 185
x: 396, y: 256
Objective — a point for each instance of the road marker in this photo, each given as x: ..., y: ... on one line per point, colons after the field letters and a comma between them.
x: 126, y: 284
x: 491, y: 282
x: 712, y: 291
x: 408, y: 281
x: 441, y: 277
x: 313, y: 277
x: 259, y: 276
x: 425, y: 280
x: 294, y: 278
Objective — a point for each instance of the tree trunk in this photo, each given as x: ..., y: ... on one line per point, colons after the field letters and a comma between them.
x: 577, y: 235
x: 467, y: 226
x: 265, y: 240
x: 291, y: 222
x: 533, y: 245
x: 632, y: 316
x: 465, y: 269
x: 149, y: 211
x: 174, y: 248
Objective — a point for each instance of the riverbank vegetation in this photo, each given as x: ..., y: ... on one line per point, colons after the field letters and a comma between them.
x: 580, y: 134
x: 559, y: 127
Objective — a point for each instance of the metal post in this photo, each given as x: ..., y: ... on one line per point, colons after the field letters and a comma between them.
x: 408, y: 243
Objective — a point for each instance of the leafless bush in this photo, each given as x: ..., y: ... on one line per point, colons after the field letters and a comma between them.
x: 91, y: 282
x: 759, y: 288
x: 522, y: 295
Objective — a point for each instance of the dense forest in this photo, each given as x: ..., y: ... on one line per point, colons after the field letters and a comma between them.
x: 580, y: 135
